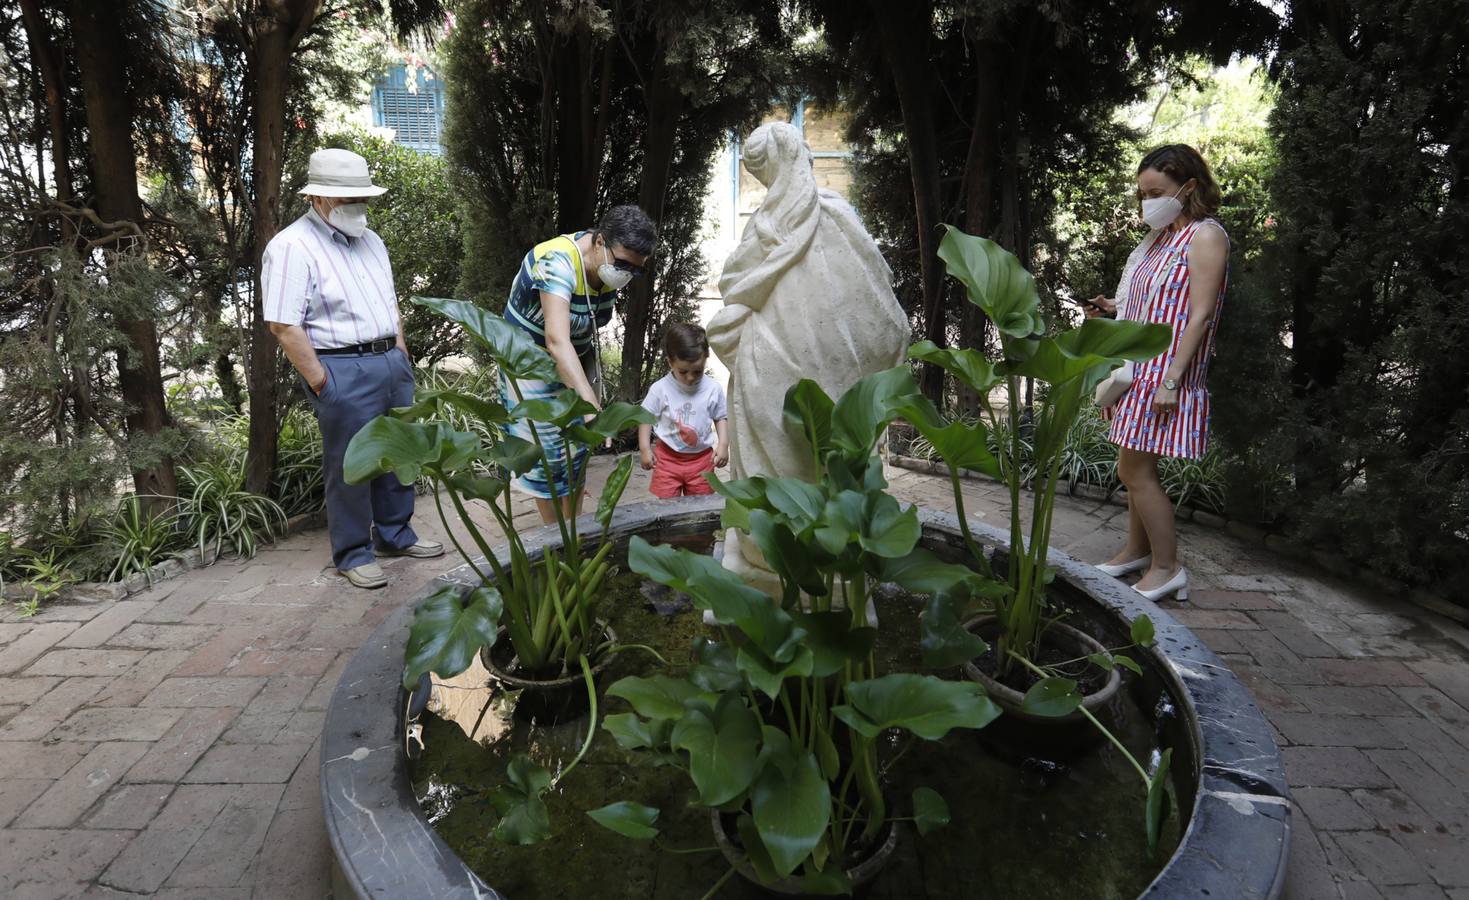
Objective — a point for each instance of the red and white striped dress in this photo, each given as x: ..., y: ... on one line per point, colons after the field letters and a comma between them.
x: 1158, y: 291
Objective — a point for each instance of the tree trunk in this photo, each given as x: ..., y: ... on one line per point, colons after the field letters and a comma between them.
x: 270, y: 60
x: 981, y: 178
x: 38, y: 39
x: 905, y: 30
x: 664, y: 105
x: 99, y: 56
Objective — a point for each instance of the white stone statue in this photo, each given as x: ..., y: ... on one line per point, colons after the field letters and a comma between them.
x: 807, y: 294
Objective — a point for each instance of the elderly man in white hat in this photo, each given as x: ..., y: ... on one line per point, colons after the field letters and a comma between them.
x: 328, y: 296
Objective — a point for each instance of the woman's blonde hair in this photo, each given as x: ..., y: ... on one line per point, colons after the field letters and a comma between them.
x: 1182, y: 163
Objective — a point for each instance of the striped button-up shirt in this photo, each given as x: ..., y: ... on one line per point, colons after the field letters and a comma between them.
x: 338, y: 288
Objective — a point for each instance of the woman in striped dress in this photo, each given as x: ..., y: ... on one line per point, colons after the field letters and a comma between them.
x: 1176, y: 278
x: 565, y: 291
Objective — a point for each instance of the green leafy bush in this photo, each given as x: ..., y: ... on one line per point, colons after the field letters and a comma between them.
x: 218, y: 513
x: 139, y: 538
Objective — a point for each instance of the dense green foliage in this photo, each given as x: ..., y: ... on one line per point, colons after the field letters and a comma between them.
x: 557, y: 114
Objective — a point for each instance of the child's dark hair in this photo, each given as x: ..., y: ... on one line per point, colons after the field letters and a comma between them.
x: 685, y: 342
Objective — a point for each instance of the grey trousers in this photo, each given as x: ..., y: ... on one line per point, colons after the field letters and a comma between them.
x: 358, y: 389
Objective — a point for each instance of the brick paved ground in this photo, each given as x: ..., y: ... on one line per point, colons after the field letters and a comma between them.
x: 165, y: 745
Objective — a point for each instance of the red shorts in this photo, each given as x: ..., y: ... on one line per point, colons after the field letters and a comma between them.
x: 680, y: 474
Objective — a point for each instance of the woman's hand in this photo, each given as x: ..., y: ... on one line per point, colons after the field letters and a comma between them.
x: 1165, y: 402
x: 1101, y: 306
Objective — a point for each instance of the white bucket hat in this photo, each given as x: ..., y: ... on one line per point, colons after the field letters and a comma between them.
x: 339, y: 173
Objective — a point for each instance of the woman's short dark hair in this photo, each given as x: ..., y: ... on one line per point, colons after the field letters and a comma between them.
x: 1181, y: 163
x: 629, y: 226
x: 683, y: 341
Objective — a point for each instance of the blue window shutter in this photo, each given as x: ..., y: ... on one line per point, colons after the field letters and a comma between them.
x: 417, y: 116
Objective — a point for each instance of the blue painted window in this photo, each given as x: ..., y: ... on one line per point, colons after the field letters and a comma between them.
x: 411, y: 102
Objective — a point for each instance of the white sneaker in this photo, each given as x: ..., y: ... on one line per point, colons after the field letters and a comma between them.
x: 369, y: 576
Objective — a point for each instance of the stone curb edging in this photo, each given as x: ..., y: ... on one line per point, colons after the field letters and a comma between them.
x: 109, y: 591
x: 1332, y: 563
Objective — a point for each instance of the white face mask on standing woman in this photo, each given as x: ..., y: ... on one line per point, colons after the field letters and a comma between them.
x: 1159, y: 212
x: 612, y: 276
x: 349, y: 218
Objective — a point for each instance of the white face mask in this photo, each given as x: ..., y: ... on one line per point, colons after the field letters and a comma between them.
x: 612, y: 276
x: 349, y: 218
x: 1159, y: 212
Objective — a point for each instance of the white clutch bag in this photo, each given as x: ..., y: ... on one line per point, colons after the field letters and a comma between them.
x: 1111, y: 388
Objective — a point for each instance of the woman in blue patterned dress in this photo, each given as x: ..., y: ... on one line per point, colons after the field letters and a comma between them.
x: 1176, y: 278
x: 563, y: 293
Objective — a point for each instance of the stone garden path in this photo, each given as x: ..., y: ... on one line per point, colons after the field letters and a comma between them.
x: 165, y: 745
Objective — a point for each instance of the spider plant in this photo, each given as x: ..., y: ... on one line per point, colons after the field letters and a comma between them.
x: 139, y: 537
x: 217, y: 512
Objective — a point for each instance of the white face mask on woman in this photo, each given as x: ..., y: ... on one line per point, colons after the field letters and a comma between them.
x: 1159, y: 212
x: 612, y: 276
x: 349, y: 218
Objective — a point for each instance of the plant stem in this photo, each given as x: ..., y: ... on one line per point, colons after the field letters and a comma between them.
x: 1090, y: 718
x: 729, y: 873
x: 439, y: 504
x: 586, y: 673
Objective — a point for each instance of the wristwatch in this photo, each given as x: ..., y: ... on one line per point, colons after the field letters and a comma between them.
x: 1170, y: 384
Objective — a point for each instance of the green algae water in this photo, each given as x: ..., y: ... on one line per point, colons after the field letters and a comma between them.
x: 1020, y: 828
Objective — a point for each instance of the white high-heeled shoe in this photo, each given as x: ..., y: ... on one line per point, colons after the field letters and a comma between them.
x: 1119, y: 569
x: 1177, y: 586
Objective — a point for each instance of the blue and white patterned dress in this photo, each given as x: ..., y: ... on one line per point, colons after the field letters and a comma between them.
x: 554, y: 267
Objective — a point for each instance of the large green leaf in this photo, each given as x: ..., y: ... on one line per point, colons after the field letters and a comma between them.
x: 927, y: 706
x: 961, y: 445
x: 1098, y: 342
x: 833, y: 640
x: 930, y: 812
x: 476, y: 487
x: 722, y: 592
x: 610, y: 421
x: 842, y: 522
x: 1051, y: 697
x: 943, y: 638
x: 715, y: 669
x: 558, y: 410
x: 922, y: 572
x: 747, y: 492
x: 629, y: 819
x: 784, y: 554
x: 515, y: 455
x: 612, y: 490
x: 892, y: 531
x: 656, y: 697
x: 428, y: 404
x: 799, y: 501
x: 1158, y: 799
x: 971, y: 367
x: 767, y: 675
x: 791, y: 805
x: 866, y: 408
x: 996, y: 281
x: 523, y: 816
x: 510, y: 347
x: 406, y: 449
x: 723, y: 745
x: 809, y: 408
x: 447, y: 632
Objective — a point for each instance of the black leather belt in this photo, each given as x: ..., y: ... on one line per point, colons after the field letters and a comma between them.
x: 378, y: 346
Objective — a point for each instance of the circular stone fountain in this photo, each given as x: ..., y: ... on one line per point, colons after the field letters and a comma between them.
x: 1229, y: 783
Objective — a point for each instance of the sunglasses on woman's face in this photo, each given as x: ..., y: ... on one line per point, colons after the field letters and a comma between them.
x: 624, y: 265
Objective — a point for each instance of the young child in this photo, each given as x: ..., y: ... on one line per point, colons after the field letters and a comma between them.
x: 692, y: 429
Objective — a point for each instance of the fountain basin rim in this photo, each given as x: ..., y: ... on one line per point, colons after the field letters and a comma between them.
x: 1235, y: 844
